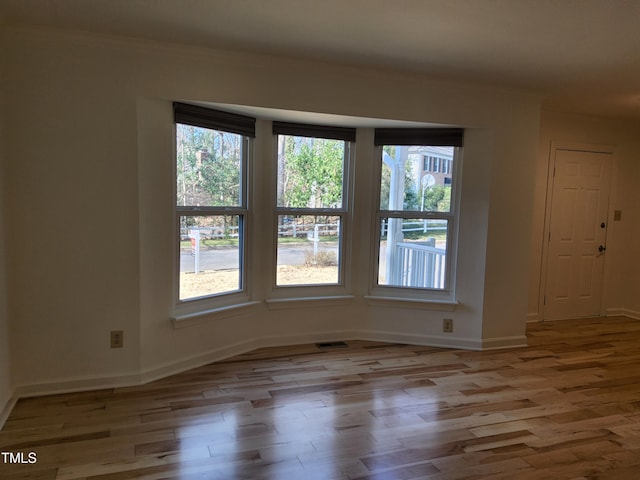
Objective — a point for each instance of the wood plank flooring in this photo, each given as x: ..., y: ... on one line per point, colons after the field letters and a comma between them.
x: 565, y: 407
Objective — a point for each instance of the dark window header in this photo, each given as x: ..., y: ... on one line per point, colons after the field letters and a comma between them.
x: 214, y: 119
x: 319, y: 131
x: 436, y: 137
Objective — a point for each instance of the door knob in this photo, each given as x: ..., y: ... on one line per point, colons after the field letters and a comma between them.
x: 602, y: 248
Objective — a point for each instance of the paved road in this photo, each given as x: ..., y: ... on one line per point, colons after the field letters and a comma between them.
x: 221, y: 258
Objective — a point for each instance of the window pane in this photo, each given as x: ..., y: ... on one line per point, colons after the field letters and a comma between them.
x: 308, y: 250
x: 310, y: 172
x: 413, y: 253
x: 208, y: 169
x: 416, y: 178
x: 210, y: 255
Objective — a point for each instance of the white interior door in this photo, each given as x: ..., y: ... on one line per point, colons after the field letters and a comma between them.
x: 577, y: 234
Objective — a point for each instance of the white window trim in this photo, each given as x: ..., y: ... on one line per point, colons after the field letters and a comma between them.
x: 187, y: 319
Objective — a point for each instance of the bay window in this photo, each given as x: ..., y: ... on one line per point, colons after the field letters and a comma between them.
x: 414, y: 203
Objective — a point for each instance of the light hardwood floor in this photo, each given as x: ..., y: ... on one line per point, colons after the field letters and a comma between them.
x: 565, y: 407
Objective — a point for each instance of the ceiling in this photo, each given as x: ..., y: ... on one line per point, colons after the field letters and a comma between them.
x: 581, y: 55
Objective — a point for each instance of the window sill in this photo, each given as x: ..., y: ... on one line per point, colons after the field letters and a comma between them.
x: 201, y: 316
x: 403, y: 302
x: 297, y: 302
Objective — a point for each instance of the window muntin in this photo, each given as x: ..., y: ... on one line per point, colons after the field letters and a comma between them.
x: 416, y: 215
x: 211, y: 201
x: 311, y: 205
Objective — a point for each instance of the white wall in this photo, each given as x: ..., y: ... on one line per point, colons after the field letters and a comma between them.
x: 622, y: 276
x: 89, y: 170
x: 6, y: 386
x: 72, y: 180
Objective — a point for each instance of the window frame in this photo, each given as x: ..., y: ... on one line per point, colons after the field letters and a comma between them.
x: 345, y: 212
x: 213, y: 119
x: 449, y: 137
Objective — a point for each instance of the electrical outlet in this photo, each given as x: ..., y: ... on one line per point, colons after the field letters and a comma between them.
x: 447, y: 325
x: 117, y: 340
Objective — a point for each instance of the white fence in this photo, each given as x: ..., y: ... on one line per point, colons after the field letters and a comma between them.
x: 325, y: 229
x: 209, y: 232
x: 423, y: 226
x: 286, y: 230
x: 308, y: 230
x: 418, y: 265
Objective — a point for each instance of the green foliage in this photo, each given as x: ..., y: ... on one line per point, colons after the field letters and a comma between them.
x: 208, y: 166
x: 437, y: 198
x: 312, y: 173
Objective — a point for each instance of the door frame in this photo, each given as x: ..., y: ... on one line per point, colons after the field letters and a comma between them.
x: 551, y: 164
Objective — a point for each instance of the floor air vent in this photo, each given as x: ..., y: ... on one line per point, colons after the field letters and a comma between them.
x: 332, y: 345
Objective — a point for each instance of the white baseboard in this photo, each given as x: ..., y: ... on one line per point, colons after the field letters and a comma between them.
x: 195, y: 361
x: 610, y: 312
x: 317, y: 337
x: 533, y: 317
x: 77, y: 384
x: 425, y: 340
x: 504, y: 342
x: 80, y: 384
x: 7, y: 408
x: 446, y: 341
x: 239, y: 348
x: 188, y: 363
x: 623, y: 312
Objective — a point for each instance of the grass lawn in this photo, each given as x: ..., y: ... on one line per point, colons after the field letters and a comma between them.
x: 220, y: 281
